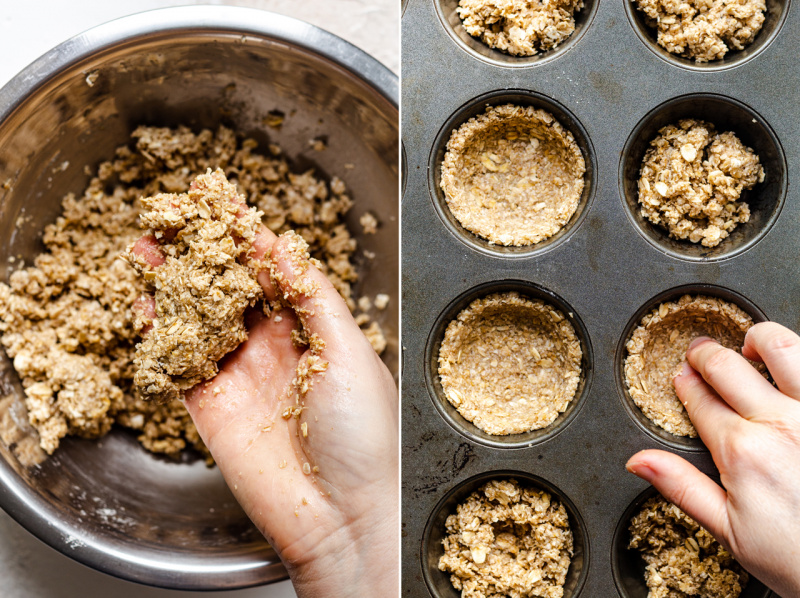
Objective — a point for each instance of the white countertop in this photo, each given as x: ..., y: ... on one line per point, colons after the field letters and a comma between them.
x: 28, y: 28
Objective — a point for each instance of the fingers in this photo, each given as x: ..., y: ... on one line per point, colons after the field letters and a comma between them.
x: 732, y: 377
x: 148, y: 249
x: 319, y: 305
x: 262, y: 246
x: 708, y: 412
x: 144, y: 312
x: 779, y: 349
x: 685, y: 486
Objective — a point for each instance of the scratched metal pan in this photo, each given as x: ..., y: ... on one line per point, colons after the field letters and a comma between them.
x: 613, y: 88
x: 110, y: 504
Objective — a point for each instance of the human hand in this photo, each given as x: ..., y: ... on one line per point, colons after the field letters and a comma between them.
x: 335, y: 527
x: 752, y: 430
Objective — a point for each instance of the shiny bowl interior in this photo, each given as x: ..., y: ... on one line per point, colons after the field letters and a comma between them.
x: 109, y: 503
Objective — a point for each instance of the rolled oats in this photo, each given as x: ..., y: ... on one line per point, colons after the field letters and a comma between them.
x: 513, y: 175
x: 510, y: 364
x: 508, y: 540
x: 691, y: 180
x: 66, y: 321
x: 704, y: 30
x: 203, y: 287
x: 682, y: 558
x: 519, y: 28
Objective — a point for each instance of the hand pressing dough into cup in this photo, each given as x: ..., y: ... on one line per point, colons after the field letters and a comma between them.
x: 657, y: 350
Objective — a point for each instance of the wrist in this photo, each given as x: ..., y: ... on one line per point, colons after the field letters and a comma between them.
x: 358, y: 559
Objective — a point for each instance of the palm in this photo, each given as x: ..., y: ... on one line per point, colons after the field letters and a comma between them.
x: 262, y: 455
x: 326, y: 498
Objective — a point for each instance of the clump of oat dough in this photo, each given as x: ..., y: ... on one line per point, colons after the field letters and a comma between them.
x: 682, y: 558
x: 508, y: 540
x: 510, y: 364
x: 657, y: 349
x: 513, y: 175
x: 691, y: 180
x: 201, y: 290
x: 520, y: 28
x: 704, y: 30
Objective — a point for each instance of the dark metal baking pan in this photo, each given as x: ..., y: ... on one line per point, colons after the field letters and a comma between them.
x: 607, y: 267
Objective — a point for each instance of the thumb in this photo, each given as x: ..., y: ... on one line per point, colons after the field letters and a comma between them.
x: 682, y: 484
x: 320, y: 307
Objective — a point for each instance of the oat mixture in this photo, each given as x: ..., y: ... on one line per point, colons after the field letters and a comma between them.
x: 513, y: 175
x: 510, y: 364
x: 682, y: 558
x: 66, y: 321
x: 520, y: 28
x: 201, y: 290
x: 506, y: 540
x: 691, y: 180
x: 657, y: 349
x: 312, y: 363
x: 703, y: 30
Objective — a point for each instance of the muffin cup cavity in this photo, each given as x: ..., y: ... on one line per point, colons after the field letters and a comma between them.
x: 449, y: 412
x: 477, y: 107
x: 627, y: 566
x: 765, y: 200
x: 773, y: 21
x: 475, y: 47
x: 438, y: 582
x: 683, y: 443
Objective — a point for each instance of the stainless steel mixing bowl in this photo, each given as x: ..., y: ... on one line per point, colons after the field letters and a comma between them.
x: 109, y: 503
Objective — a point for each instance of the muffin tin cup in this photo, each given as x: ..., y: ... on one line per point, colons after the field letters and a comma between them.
x: 604, y: 268
x: 627, y: 565
x: 478, y: 106
x: 451, y: 415
x: 673, y: 441
x: 773, y: 21
x: 446, y: 10
x: 766, y: 199
x: 438, y: 582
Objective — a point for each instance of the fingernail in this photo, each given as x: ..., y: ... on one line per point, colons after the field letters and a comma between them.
x: 640, y: 469
x: 697, y: 341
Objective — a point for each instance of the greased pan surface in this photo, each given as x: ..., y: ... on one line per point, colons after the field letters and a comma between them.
x: 613, y: 89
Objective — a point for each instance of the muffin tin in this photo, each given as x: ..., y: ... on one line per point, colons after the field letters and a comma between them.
x: 613, y: 90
